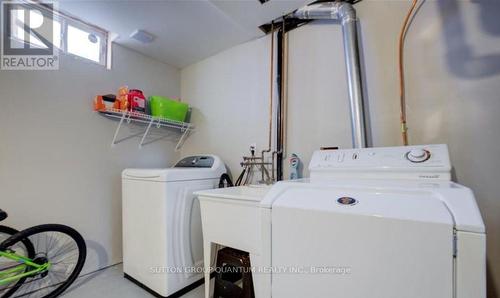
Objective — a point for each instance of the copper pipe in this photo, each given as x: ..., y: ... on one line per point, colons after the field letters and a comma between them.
x: 402, y: 99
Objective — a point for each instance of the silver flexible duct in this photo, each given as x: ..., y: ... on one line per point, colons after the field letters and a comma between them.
x: 345, y: 13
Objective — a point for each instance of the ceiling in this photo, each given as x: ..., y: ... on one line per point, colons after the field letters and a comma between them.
x: 186, y: 31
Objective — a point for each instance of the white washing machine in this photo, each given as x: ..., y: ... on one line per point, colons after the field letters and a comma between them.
x: 162, y: 236
x: 377, y: 222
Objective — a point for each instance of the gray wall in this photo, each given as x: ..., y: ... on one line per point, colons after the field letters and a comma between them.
x: 453, y: 77
x: 56, y: 162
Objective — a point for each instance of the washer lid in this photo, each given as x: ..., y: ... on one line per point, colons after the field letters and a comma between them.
x: 462, y: 204
x: 197, y: 167
x: 170, y: 175
x: 458, y: 200
x: 388, y: 204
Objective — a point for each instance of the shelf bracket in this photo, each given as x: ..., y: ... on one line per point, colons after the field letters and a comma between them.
x: 146, y: 133
x: 114, y: 142
x: 182, y: 139
x: 123, y: 118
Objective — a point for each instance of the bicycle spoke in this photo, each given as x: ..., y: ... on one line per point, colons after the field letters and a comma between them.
x: 58, y: 250
x: 63, y: 250
x: 63, y: 254
x: 52, y: 242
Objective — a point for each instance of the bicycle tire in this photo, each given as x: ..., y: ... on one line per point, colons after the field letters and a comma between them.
x: 30, y: 250
x: 48, y: 228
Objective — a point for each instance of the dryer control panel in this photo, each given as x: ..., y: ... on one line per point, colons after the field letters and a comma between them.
x: 408, y: 162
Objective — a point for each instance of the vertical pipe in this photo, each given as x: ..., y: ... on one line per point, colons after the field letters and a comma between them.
x: 284, y: 88
x: 344, y: 12
x: 279, y: 127
x: 271, y: 90
x: 349, y: 31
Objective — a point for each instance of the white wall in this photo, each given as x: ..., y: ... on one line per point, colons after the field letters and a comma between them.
x: 229, y: 95
x: 453, y: 72
x: 56, y: 162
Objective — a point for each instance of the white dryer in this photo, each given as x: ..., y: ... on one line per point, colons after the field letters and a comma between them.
x: 377, y: 222
x: 162, y: 236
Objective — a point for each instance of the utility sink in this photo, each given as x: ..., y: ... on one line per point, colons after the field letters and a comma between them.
x: 234, y: 217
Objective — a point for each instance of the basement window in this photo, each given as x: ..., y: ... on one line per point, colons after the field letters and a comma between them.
x: 70, y: 35
x: 86, y: 43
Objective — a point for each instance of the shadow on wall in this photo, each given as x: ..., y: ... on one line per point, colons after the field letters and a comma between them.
x: 460, y: 56
x: 489, y: 15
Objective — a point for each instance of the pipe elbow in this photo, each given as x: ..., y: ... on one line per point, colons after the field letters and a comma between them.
x: 325, y: 11
x: 346, y: 12
x: 342, y: 11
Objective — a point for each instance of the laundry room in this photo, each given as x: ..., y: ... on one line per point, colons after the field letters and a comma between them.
x: 250, y: 148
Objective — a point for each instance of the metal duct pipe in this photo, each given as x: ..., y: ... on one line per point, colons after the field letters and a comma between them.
x: 345, y: 13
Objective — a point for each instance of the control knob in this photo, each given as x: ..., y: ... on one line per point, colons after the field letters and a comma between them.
x: 418, y: 155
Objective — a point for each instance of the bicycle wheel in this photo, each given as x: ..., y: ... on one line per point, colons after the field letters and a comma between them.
x: 62, y: 247
x: 24, y: 248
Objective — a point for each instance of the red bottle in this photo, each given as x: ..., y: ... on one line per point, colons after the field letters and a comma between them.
x: 136, y: 101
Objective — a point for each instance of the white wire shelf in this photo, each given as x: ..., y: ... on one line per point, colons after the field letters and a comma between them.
x: 128, y: 117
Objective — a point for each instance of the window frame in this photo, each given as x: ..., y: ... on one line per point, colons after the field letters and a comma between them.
x: 66, y: 20
x: 103, y: 39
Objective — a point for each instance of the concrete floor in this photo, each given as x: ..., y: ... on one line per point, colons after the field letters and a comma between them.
x: 109, y: 283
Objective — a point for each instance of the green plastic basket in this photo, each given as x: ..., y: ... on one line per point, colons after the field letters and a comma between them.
x: 164, y: 107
